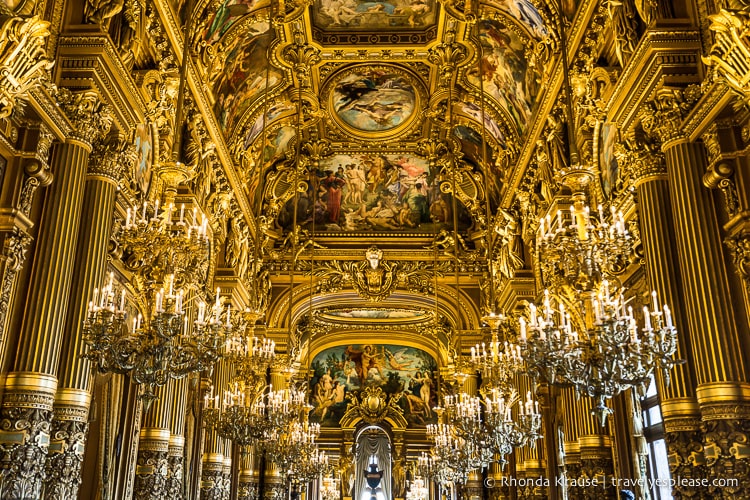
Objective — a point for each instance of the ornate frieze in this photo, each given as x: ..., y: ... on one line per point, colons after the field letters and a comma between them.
x: 375, y: 278
x: 685, y: 454
x: 151, y: 472
x: 23, y: 60
x: 213, y: 485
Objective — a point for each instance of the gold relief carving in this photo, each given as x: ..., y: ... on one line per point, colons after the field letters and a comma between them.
x: 91, y: 118
x: 302, y: 57
x: 213, y: 483
x: 23, y: 61
x: 373, y: 406
x: 375, y: 278
x: 151, y: 474
x: 662, y: 117
x: 25, y: 421
x: 727, y: 452
x: 175, y: 473
x: 65, y: 459
x: 101, y: 12
x: 686, y: 458
x: 112, y: 160
x: 739, y: 246
x: 641, y: 159
x: 469, y: 189
x: 14, y: 254
x: 447, y: 55
x: 730, y: 52
x: 721, y: 175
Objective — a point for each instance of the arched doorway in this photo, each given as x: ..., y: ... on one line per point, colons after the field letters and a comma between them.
x: 373, y: 445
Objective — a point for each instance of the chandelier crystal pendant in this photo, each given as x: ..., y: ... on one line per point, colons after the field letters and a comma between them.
x: 417, y: 490
x: 601, y: 347
x: 329, y: 488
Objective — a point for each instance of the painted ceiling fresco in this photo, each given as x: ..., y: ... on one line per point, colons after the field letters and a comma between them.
x: 245, y: 73
x: 365, y: 192
x: 404, y: 372
x: 373, y: 99
x: 366, y: 15
x: 226, y: 14
x: 505, y: 75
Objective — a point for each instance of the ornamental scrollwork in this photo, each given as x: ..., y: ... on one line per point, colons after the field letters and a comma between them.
x: 730, y: 51
x: 375, y: 278
x: 23, y: 61
x: 65, y: 459
x: 373, y: 406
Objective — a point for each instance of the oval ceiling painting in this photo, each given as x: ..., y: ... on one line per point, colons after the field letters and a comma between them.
x: 374, y: 99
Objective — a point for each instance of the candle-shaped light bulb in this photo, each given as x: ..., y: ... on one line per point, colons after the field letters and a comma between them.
x: 668, y: 316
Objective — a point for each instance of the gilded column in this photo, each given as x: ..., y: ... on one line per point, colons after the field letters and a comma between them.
x: 30, y: 389
x: 70, y: 419
x: 152, y: 467
x: 248, y: 477
x: 595, y: 448
x: 718, y: 336
x: 644, y: 164
x: 212, y: 484
x: 176, y: 453
x: 570, y: 447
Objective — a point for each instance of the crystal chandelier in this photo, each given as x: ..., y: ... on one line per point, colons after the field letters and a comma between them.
x: 162, y: 345
x: 329, y: 488
x: 451, y: 457
x: 490, y: 425
x: 600, y: 347
x: 249, y: 415
x: 417, y: 490
x: 295, y: 451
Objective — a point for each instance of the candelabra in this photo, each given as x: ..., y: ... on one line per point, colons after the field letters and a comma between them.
x: 162, y: 345
x: 598, y: 346
x: 249, y: 354
x: 502, y: 361
x: 452, y: 457
x: 489, y: 423
x: 248, y: 415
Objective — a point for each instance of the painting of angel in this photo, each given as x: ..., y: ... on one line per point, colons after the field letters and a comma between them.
x: 244, y: 75
x: 373, y: 100
x: 405, y: 373
x: 503, y: 72
x: 365, y: 15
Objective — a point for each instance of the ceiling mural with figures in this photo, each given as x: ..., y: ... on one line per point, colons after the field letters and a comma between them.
x: 406, y: 374
x: 370, y: 95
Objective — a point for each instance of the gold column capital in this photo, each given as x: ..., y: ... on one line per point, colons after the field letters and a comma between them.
x: 723, y: 392
x: 73, y: 397
x: 676, y: 408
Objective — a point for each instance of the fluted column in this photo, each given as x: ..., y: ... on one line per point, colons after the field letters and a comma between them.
x: 248, y: 477
x: 153, y: 447
x: 212, y: 483
x: 646, y: 166
x: 176, y: 454
x: 571, y: 448
x: 719, y: 341
x: 30, y: 389
x: 719, y: 337
x: 70, y: 420
x: 595, y: 448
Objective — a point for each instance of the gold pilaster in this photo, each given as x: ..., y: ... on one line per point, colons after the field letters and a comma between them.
x: 175, y: 457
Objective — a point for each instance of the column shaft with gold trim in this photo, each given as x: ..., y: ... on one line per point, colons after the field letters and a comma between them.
x: 646, y: 166
x: 212, y: 484
x: 153, y: 447
x: 70, y: 420
x: 717, y: 334
x: 30, y: 389
x: 175, y: 457
x: 721, y: 363
x: 247, y: 488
